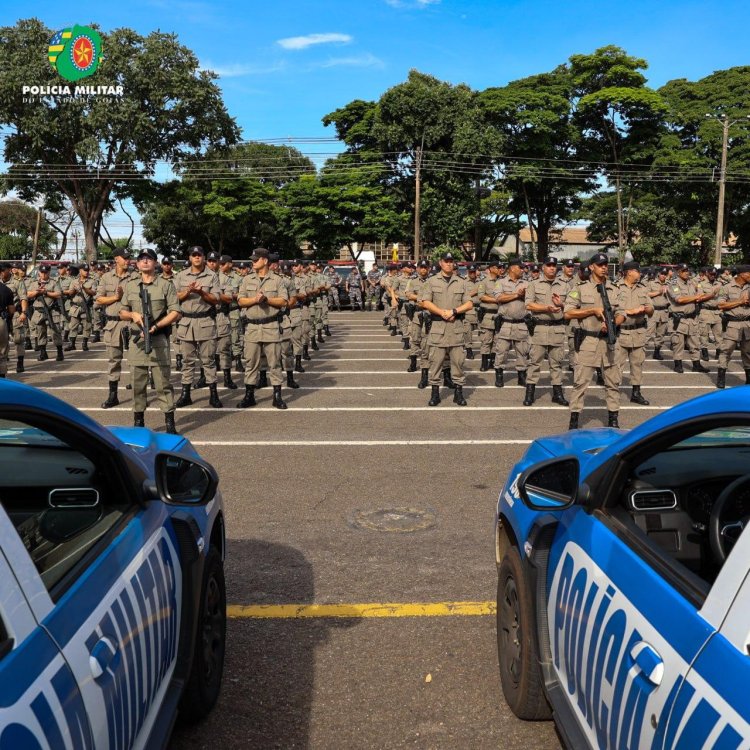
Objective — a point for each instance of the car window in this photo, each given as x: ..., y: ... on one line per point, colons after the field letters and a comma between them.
x: 57, y: 499
x: 676, y: 496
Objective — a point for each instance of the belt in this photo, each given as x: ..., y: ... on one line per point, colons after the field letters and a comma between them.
x: 661, y: 307
x: 595, y: 334
x: 731, y: 319
x: 634, y: 326
x: 488, y: 309
x: 261, y: 321
x: 204, y: 314
x: 550, y: 322
x: 687, y: 316
x: 113, y: 317
x: 712, y: 309
x: 440, y: 318
x: 514, y: 320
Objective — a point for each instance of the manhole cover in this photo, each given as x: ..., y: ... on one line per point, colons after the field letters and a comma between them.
x: 394, y: 519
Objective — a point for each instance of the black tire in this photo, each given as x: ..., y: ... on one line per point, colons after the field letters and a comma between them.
x: 204, y: 684
x: 520, y: 674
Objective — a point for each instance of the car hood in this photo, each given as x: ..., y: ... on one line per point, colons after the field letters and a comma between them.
x: 142, y: 439
x: 580, y: 443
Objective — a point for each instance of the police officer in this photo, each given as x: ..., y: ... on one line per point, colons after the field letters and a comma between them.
x: 198, y: 294
x: 44, y: 293
x: 634, y: 303
x: 354, y: 288
x: 684, y: 298
x: 223, y: 356
x: 7, y: 311
x: 373, y: 288
x: 65, y: 281
x: 263, y: 295
x: 334, y: 282
x: 82, y: 292
x: 400, y: 289
x: 545, y: 300
x: 513, y: 333
x: 291, y: 323
x: 584, y: 303
x: 446, y: 297
x: 487, y: 291
x: 709, y: 317
x: 734, y: 303
x: 470, y: 319
x: 417, y: 339
x: 390, y: 303
x: 17, y: 285
x: 165, y: 311
x: 304, y: 290
x: 657, y: 292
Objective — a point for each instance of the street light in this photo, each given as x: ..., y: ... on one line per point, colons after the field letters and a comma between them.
x: 727, y: 123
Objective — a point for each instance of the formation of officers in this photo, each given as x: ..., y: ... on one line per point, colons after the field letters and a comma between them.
x: 262, y: 318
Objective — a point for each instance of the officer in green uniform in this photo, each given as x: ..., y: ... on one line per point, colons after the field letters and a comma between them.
x: 734, y: 303
x: 487, y: 290
x: 44, y: 292
x: 165, y: 311
x: 684, y: 298
x: 417, y: 339
x: 470, y: 319
x: 657, y: 292
x: 20, y: 319
x: 709, y: 317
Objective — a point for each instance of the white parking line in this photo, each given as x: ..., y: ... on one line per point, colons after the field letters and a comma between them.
x: 357, y: 409
x: 469, y: 387
x: 353, y: 443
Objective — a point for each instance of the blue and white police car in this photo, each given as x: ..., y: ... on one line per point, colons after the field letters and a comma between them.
x: 112, y: 597
x: 623, y: 601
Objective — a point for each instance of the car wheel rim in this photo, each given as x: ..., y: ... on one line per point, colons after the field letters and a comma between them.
x: 509, y: 624
x: 213, y: 629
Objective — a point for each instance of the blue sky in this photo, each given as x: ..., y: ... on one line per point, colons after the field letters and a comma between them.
x: 285, y: 64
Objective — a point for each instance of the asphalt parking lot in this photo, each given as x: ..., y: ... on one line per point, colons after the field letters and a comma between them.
x: 317, y: 501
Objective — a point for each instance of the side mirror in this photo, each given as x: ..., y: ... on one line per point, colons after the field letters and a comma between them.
x: 551, y: 485
x: 184, y: 481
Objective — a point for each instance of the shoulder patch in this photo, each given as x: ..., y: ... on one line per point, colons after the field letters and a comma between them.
x: 573, y: 294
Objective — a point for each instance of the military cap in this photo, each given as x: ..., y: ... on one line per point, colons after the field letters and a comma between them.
x: 472, y: 267
x: 493, y: 264
x: 4, y: 266
x: 84, y: 266
x: 273, y: 257
x: 121, y: 252
x: 424, y: 264
x: 167, y: 259
x: 196, y: 250
x: 502, y: 264
x: 742, y: 269
x: 663, y: 271
x: 682, y: 267
x: 515, y: 262
x: 631, y: 265
x: 212, y: 255
x: 44, y: 268
x: 534, y: 268
x: 569, y: 263
x: 448, y: 256
x: 260, y: 252
x: 550, y: 261
x: 147, y: 252
x: 599, y: 259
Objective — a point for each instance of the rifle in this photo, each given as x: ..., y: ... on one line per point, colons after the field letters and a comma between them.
x: 48, y: 313
x: 85, y: 304
x: 609, y: 316
x: 148, y: 319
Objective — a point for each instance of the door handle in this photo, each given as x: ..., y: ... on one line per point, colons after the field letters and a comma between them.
x: 103, y: 655
x: 648, y: 662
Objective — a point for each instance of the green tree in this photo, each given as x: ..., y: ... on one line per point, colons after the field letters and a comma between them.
x: 169, y: 111
x: 18, y: 222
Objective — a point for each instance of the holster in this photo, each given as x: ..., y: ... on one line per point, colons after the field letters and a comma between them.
x: 481, y: 312
x: 578, y: 336
x: 411, y: 308
x: 530, y: 321
x: 498, y: 322
x: 676, y: 318
x: 724, y: 322
x: 426, y: 321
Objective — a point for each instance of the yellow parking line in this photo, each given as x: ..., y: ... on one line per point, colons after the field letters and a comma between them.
x: 373, y: 609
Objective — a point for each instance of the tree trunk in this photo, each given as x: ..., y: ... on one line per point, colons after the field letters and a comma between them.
x: 531, y: 222
x: 89, y: 234
x: 620, y: 221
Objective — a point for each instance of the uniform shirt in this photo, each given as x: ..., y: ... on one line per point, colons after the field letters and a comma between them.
x: 584, y: 297
x: 355, y: 280
x: 678, y: 288
x: 708, y: 287
x: 373, y: 277
x: 18, y: 287
x: 415, y: 285
x: 80, y: 299
x: 292, y: 316
x: 51, y: 286
x: 515, y: 309
x: 661, y: 299
x: 272, y: 285
x: 447, y: 294
x: 203, y: 328
x: 627, y: 299
x: 738, y: 315
x: 107, y: 287
x: 540, y: 292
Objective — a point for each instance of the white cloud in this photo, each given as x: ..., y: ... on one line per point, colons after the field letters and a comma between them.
x: 411, y: 3
x: 303, y: 42
x: 365, y: 60
x: 237, y: 70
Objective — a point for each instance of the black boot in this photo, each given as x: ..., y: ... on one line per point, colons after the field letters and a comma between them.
x: 573, y: 424
x: 458, y: 396
x: 262, y: 380
x: 485, y: 363
x: 249, y: 398
x: 112, y: 399
x: 599, y: 376
x: 612, y: 419
x: 138, y: 419
x: 447, y: 379
x: 412, y: 363
x: 278, y: 402
x: 151, y: 383
x: 558, y: 396
x: 201, y: 380
x: 228, y: 382
x: 385, y: 321
x: 19, y: 365
x: 290, y: 381
x: 521, y: 377
x: 394, y: 331
x: 657, y: 353
x: 217, y: 361
x: 27, y: 345
x: 66, y: 334
x: 435, y: 397
x: 314, y: 344
x: 721, y: 378
x: 327, y: 329
x: 298, y: 363
x: 238, y: 364
x: 95, y: 337
x: 306, y: 353
x: 70, y: 346
x: 60, y: 356
x: 184, y: 399
x: 469, y: 353
x: 704, y: 355
x: 42, y: 354
x: 213, y: 397
x: 320, y: 336
x: 636, y: 396
x: 178, y: 363
x: 425, y: 378
x: 169, y: 423
x: 747, y: 377
x: 499, y: 382
x: 529, y: 398
x: 698, y: 367
x: 406, y: 345
x: 678, y: 366
x: 492, y: 361
x: 85, y: 345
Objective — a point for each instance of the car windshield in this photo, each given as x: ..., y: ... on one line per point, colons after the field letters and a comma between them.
x: 734, y: 436
x: 17, y: 433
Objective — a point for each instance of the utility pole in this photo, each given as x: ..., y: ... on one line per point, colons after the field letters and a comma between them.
x: 418, y: 187
x: 722, y: 191
x: 35, y: 248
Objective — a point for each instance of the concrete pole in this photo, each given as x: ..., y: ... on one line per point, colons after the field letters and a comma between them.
x: 722, y: 190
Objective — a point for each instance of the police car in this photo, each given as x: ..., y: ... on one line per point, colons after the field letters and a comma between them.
x: 623, y: 603
x: 112, y: 598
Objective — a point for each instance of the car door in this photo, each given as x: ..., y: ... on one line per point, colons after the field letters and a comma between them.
x: 107, y: 562
x: 40, y: 703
